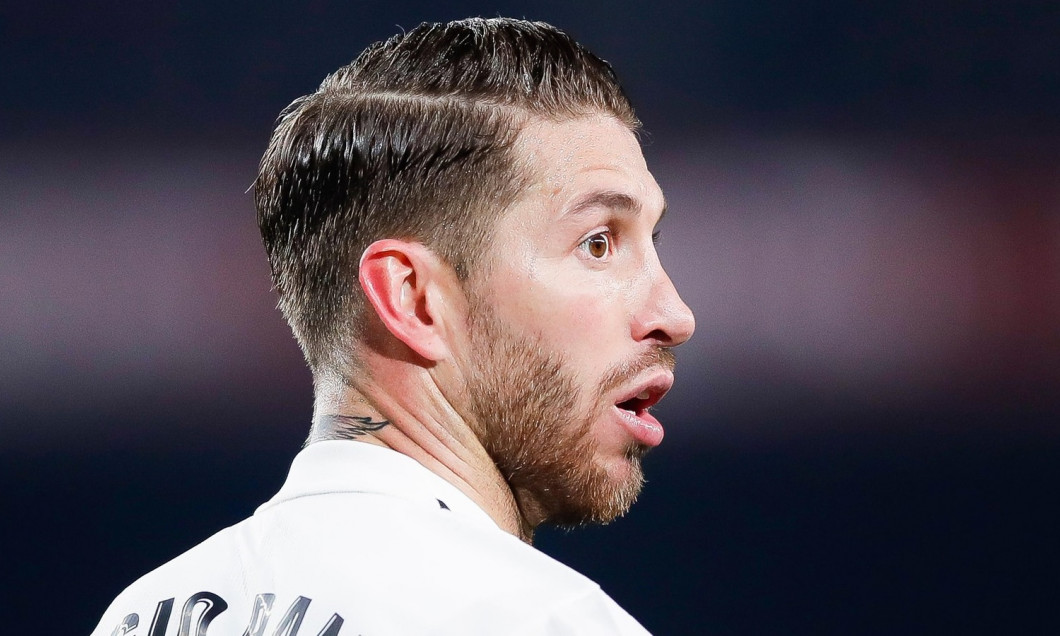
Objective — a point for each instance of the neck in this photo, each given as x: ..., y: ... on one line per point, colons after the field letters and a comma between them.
x: 428, y: 430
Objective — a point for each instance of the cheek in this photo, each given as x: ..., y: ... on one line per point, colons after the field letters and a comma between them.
x: 586, y: 317
x: 591, y: 328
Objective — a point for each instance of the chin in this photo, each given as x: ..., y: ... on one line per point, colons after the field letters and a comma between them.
x: 623, y: 470
x: 608, y: 490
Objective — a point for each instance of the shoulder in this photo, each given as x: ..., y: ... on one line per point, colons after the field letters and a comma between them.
x: 370, y: 563
x: 359, y: 541
x: 198, y: 582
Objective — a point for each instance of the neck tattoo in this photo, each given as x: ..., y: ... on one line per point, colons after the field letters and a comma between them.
x: 354, y: 426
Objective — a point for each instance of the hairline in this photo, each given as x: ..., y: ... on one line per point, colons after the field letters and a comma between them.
x: 529, y: 171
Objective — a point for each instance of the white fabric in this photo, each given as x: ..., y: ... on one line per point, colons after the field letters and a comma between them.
x: 357, y: 543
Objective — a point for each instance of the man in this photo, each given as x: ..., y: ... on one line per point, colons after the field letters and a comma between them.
x: 460, y: 226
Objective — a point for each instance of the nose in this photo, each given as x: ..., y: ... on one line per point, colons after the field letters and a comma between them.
x: 665, y: 318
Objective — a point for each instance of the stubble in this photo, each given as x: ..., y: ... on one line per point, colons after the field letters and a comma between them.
x: 526, y: 411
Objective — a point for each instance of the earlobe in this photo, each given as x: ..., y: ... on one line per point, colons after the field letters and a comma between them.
x: 397, y: 277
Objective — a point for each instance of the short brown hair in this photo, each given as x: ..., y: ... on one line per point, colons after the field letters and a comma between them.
x: 411, y: 140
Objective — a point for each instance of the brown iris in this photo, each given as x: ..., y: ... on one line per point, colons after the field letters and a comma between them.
x: 598, y: 246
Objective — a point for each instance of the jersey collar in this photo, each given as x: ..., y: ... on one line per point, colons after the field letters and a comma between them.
x: 345, y: 466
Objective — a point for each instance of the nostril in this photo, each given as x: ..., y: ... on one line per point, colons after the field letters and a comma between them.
x: 660, y: 335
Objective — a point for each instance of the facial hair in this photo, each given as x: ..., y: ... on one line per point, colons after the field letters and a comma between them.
x: 525, y: 409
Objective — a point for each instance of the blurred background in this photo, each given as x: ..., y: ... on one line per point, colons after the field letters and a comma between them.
x: 864, y: 216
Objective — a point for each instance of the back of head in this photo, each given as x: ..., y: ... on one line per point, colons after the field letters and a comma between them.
x: 412, y: 140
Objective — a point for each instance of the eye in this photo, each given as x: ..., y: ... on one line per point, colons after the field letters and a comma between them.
x: 598, y: 245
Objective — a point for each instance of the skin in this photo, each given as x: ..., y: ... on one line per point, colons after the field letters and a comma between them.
x: 572, y: 270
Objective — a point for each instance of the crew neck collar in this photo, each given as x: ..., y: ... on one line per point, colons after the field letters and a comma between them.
x: 347, y: 466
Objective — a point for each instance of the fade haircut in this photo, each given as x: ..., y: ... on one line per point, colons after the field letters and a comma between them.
x: 412, y: 140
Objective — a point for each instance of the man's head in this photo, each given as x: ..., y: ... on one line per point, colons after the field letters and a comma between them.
x: 498, y: 158
x: 572, y: 324
x: 412, y: 140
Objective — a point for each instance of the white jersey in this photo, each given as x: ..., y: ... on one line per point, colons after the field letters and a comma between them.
x: 364, y: 541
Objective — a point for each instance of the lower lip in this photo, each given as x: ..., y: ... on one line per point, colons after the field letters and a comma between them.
x: 644, y: 427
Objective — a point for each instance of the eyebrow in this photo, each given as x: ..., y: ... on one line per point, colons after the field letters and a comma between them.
x: 613, y: 200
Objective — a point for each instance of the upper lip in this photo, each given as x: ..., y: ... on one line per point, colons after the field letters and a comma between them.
x: 654, y: 385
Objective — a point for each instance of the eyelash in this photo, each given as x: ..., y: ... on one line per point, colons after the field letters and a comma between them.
x: 606, y: 234
x: 655, y: 237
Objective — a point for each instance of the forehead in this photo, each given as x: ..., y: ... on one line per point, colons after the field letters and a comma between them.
x: 566, y: 161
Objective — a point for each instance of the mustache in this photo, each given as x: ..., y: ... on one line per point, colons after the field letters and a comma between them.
x: 625, y: 372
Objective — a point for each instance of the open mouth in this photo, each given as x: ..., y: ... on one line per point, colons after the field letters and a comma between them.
x: 641, y: 397
x: 640, y: 403
x: 634, y: 407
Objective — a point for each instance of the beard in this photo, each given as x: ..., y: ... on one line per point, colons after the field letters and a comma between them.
x: 525, y: 406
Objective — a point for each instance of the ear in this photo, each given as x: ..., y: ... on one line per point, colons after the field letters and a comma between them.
x: 406, y: 283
